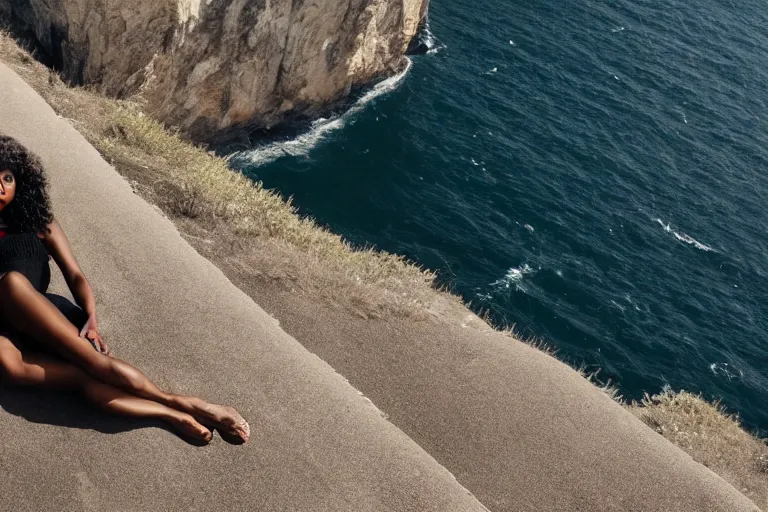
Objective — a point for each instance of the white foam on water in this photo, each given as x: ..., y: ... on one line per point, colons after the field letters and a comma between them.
x: 666, y: 227
x: 726, y: 370
x: 320, y: 128
x: 685, y: 238
x: 484, y: 296
x: 618, y: 306
x: 428, y: 39
x: 513, y: 276
x: 628, y: 298
x: 692, y: 241
x: 617, y: 29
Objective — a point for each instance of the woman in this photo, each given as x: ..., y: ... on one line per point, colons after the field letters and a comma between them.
x: 28, y: 235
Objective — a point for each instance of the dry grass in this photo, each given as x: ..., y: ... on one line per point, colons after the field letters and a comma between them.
x: 238, y: 223
x: 532, y: 341
x: 712, y: 437
x: 204, y: 186
x: 606, y: 386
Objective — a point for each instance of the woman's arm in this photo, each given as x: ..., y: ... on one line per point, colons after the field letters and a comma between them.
x: 59, y: 248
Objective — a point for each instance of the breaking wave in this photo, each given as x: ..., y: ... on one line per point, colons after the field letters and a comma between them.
x: 425, y: 41
x: 685, y: 238
x: 429, y: 41
x: 513, y: 276
x: 320, y: 128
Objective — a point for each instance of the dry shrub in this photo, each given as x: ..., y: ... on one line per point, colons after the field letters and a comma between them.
x: 712, y: 437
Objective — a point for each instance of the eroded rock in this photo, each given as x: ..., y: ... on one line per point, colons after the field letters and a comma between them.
x: 209, y: 66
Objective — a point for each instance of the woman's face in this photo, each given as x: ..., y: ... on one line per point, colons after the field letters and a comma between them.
x: 7, y: 188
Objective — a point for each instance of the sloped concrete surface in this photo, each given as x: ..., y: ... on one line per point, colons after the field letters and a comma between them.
x: 316, y: 443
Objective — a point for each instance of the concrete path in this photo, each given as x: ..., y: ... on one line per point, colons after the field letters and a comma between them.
x: 521, y: 430
x: 316, y: 443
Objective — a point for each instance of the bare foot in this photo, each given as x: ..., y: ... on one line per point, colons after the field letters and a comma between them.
x: 189, y: 427
x: 232, y: 427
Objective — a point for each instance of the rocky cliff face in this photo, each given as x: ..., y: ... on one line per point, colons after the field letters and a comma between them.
x: 209, y: 66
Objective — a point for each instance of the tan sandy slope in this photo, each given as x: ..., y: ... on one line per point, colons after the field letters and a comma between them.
x: 316, y: 443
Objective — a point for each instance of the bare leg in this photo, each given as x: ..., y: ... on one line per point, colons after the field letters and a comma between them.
x: 33, y: 314
x: 39, y: 371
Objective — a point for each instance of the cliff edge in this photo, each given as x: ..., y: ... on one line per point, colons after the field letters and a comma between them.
x: 214, y: 66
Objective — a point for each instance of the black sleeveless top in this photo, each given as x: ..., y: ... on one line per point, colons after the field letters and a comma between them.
x: 25, y: 253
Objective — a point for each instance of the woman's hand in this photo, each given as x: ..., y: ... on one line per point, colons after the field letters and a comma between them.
x: 90, y: 332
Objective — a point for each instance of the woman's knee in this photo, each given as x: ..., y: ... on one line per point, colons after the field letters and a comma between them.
x: 13, y: 280
x: 99, y: 367
x: 106, y: 369
x: 12, y: 369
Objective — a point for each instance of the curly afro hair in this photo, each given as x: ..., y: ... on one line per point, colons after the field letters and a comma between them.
x: 30, y: 211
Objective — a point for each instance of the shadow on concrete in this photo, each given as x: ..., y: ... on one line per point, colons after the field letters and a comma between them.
x: 61, y: 408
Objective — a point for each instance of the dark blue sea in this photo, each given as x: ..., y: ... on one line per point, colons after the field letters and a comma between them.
x: 595, y: 173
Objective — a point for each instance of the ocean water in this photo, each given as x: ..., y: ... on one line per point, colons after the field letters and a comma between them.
x: 595, y: 173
